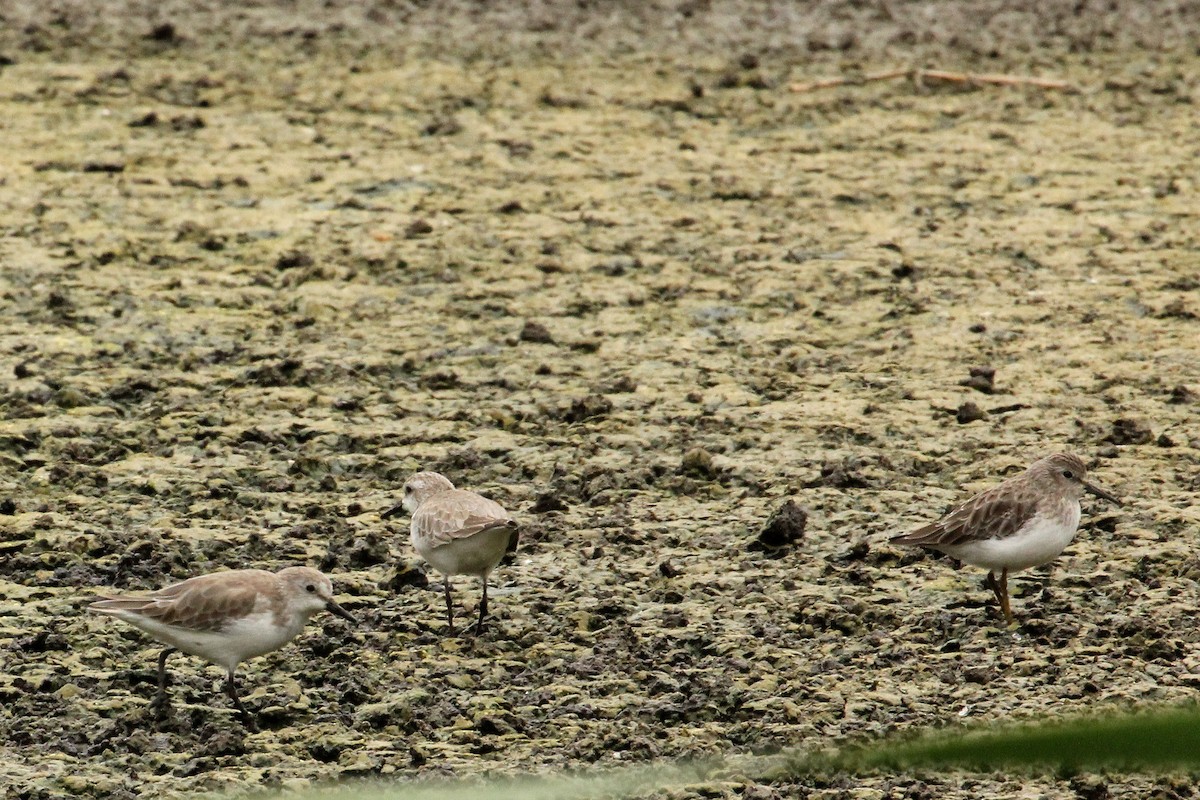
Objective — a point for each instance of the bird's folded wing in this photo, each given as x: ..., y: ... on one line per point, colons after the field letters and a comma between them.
x: 444, y: 523
x: 197, y: 604
x: 990, y: 515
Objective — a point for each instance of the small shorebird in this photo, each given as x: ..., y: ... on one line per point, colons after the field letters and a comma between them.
x: 1024, y: 522
x: 457, y: 532
x: 226, y: 617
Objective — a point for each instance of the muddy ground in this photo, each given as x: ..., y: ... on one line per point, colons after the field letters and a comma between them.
x: 599, y: 264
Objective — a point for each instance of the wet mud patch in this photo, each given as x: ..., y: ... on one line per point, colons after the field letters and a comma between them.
x: 643, y: 300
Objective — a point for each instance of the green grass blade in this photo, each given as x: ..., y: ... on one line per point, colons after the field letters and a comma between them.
x: 590, y: 785
x: 1140, y: 742
x: 1160, y: 741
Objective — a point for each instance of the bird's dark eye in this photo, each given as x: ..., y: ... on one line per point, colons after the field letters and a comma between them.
x: 408, y: 490
x: 310, y: 588
x: 1068, y: 474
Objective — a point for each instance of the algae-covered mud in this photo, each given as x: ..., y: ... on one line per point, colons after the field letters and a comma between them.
x: 258, y: 265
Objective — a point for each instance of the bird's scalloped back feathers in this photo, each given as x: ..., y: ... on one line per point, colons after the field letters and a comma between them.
x: 204, y: 603
x: 457, y: 514
x: 993, y: 514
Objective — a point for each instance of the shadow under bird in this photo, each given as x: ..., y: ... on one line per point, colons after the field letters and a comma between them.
x: 1026, y: 521
x: 457, y: 532
x: 226, y: 617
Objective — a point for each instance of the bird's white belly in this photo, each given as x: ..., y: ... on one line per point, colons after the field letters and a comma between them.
x: 257, y: 634
x: 474, y: 555
x: 1037, y: 542
x: 246, y: 637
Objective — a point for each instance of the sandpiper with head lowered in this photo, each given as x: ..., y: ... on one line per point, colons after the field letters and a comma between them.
x: 457, y: 532
x: 1026, y: 521
x: 226, y: 617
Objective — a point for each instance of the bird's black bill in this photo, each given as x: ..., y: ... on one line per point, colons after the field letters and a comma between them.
x: 333, y: 608
x: 394, y: 511
x: 1096, y: 490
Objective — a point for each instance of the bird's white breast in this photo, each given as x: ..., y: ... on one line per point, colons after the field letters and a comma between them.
x: 242, y: 638
x: 474, y: 555
x: 1037, y: 542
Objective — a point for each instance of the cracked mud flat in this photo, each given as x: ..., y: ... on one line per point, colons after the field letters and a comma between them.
x: 641, y: 295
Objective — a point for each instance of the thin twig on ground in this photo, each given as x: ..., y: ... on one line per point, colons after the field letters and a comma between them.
x: 919, y: 75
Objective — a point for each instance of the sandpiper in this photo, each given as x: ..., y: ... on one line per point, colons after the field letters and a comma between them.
x: 226, y: 617
x: 1024, y: 522
x: 457, y: 532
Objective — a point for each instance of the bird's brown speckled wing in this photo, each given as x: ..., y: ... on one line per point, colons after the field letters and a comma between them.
x: 204, y: 603
x: 993, y: 514
x: 456, y: 515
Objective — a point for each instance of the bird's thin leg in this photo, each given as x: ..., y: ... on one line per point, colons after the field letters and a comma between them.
x: 1004, y: 602
x: 160, y: 697
x: 449, y: 606
x: 482, y: 609
x: 992, y: 584
x: 231, y: 690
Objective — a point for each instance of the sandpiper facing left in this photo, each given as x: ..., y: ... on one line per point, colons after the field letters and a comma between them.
x: 457, y: 532
x: 1024, y: 522
x: 226, y: 617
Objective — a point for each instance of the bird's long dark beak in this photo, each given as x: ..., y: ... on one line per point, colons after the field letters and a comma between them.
x: 392, y: 512
x: 1096, y: 490
x: 333, y: 608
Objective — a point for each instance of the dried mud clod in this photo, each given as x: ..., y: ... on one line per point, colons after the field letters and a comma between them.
x: 785, y: 527
x: 586, y: 408
x: 620, y: 385
x: 406, y: 574
x: 969, y: 412
x: 697, y: 462
x: 417, y: 228
x: 1182, y: 395
x: 982, y: 379
x: 547, y: 502
x: 536, y: 332
x: 1130, y: 431
x: 845, y: 473
x: 294, y: 259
